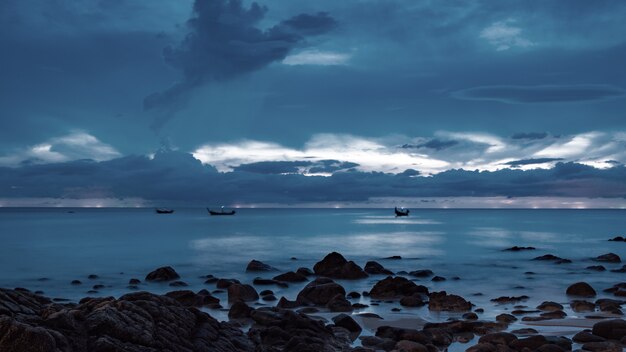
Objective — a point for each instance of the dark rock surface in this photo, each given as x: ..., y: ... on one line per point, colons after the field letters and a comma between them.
x: 165, y: 273
x: 335, y: 266
x: 581, y: 289
x: 609, y: 258
x: 320, y: 291
x: 291, y: 277
x: 190, y: 299
x: 517, y: 249
x: 441, y: 301
x: 375, y: 268
x: 396, y: 287
x: 256, y: 266
x: 239, y: 292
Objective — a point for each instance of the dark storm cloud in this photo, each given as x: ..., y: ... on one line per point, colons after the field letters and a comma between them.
x: 293, y: 167
x: 517, y: 163
x: 436, y: 144
x: 178, y: 177
x: 530, y: 135
x: 541, y: 94
x: 224, y: 41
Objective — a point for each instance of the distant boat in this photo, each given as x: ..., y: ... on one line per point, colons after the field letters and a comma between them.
x: 401, y: 212
x: 221, y: 212
x: 164, y: 211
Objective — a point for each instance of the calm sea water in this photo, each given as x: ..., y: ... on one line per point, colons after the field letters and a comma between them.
x: 119, y: 244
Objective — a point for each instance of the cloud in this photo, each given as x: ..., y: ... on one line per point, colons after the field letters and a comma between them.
x: 435, y: 144
x: 74, y: 146
x: 516, y: 163
x: 316, y: 57
x: 504, y: 35
x: 225, y: 41
x: 530, y: 135
x: 542, y: 93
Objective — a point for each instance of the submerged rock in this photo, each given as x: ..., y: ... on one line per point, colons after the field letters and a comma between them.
x: 442, y: 301
x: 256, y: 265
x: 320, y: 291
x: 517, y: 249
x: 239, y: 292
x: 375, y: 268
x: 335, y: 266
x: 610, y: 329
x: 291, y: 277
x: 609, y: 258
x: 396, y: 287
x: 581, y: 289
x: 165, y: 273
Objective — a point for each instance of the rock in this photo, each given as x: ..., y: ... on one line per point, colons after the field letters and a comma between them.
x: 441, y: 301
x: 605, y: 346
x: 618, y: 239
x: 345, y: 321
x: 470, y: 316
x: 609, y: 258
x: 498, y: 338
x: 134, y: 282
x: 610, y: 329
x: 264, y: 282
x: 506, y: 318
x: 320, y: 291
x: 525, y: 331
x: 291, y: 277
x: 256, y: 266
x: 334, y: 265
x: 422, y: 273
x: 581, y: 289
x: 166, y: 273
x: 398, y: 334
x: 517, y: 249
x: 396, y: 287
x: 556, y: 314
x: 211, y: 280
x: 354, y: 295
x: 522, y: 311
x: 135, y: 322
x: 410, y: 346
x: 178, y: 284
x: 190, y: 299
x: 548, y: 306
x: 339, y: 303
x: 269, y: 298
x: 285, y: 330
x: 266, y: 292
x: 414, y: 300
x: 359, y: 305
x: 305, y: 272
x: 596, y: 268
x: 76, y: 282
x: 285, y: 303
x: 582, y: 306
x: 375, y: 268
x: 509, y: 300
x: 95, y: 287
x: 554, y: 258
x: 438, y: 279
x: 92, y: 277
x: 239, y: 292
x: 239, y: 310
x: 224, y: 283
x: 586, y: 336
x: 620, y: 270
x: 394, y: 257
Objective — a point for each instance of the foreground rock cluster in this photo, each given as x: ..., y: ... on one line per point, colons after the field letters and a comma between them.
x: 142, y: 321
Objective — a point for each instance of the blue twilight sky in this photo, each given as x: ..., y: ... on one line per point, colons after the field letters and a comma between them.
x: 320, y: 101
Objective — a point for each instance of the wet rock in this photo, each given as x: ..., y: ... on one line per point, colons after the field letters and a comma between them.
x: 581, y: 289
x: 556, y: 314
x: 522, y: 311
x: 620, y: 270
x: 346, y: 321
x: 605, y: 346
x: 525, y: 331
x: 438, y: 279
x: 211, y: 280
x: 190, y: 299
x: 320, y: 291
x: 178, y: 284
x: 339, y: 303
x: 498, y: 338
x: 334, y: 265
x: 359, y: 306
x: 305, y: 271
x: 470, y: 316
x: 610, y: 305
x: 618, y: 239
x: 579, y: 306
x: 289, y: 331
x: 422, y: 273
x: 375, y: 268
x: 399, y: 334
x: 256, y: 266
x: 553, y: 258
x: 610, y: 329
x: 354, y: 295
x: 609, y: 258
x: 264, y: 282
x: 596, y: 268
x: 239, y: 310
x: 224, y: 283
x: 285, y: 303
x: 509, y: 300
x: 95, y: 287
x: 441, y: 301
x: 166, y: 273
x: 92, y: 277
x: 76, y: 282
x: 548, y: 306
x: 394, y: 257
x: 239, y: 292
x: 291, y: 277
x: 269, y: 298
x: 135, y: 322
x: 409, y: 346
x: 414, y: 300
x: 396, y: 287
x: 134, y: 282
x: 517, y: 249
x: 308, y: 310
x: 266, y: 292
x: 586, y: 336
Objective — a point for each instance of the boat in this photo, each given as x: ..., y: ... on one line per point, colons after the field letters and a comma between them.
x: 164, y: 211
x: 221, y: 212
x: 401, y: 212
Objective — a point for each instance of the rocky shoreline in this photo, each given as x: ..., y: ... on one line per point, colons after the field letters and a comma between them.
x: 322, y: 317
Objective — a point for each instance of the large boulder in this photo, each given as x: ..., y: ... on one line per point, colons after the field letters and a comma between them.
x: 375, y: 268
x: 320, y: 291
x: 610, y: 329
x: 396, y: 287
x: 609, y: 258
x: 442, y: 301
x: 239, y: 310
x: 345, y: 321
x: 138, y: 321
x: 335, y: 266
x: 165, y: 273
x: 291, y: 277
x: 581, y: 289
x: 239, y: 292
x: 256, y: 266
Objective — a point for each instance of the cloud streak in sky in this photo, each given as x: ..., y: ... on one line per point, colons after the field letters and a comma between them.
x: 542, y: 93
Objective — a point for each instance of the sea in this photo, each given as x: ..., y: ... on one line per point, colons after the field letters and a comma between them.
x: 44, y: 249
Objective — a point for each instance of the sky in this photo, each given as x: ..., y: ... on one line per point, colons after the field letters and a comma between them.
x: 128, y: 102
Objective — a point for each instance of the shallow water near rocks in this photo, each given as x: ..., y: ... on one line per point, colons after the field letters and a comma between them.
x: 46, y: 248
